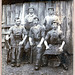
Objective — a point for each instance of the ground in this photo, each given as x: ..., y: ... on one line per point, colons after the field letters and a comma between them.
x: 28, y: 69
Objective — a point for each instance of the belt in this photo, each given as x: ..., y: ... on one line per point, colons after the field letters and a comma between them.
x: 17, y: 36
x: 37, y: 39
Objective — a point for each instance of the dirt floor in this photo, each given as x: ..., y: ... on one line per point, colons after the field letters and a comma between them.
x: 28, y: 69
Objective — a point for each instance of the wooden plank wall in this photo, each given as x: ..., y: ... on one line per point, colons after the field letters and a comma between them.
x: 63, y: 9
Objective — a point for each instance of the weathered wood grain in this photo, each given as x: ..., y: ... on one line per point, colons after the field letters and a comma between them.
x: 41, y: 12
x: 8, y: 14
x: 64, y: 9
x: 12, y: 14
x: 4, y: 18
x: 24, y: 11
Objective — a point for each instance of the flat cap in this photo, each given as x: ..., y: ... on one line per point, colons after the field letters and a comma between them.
x: 17, y: 19
x: 31, y: 8
x: 36, y: 18
x: 51, y: 8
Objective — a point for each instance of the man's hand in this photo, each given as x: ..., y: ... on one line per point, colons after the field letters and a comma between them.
x: 7, y: 37
x: 38, y: 45
x: 60, y: 49
x: 31, y: 43
x: 47, y: 47
x: 46, y: 44
x: 30, y: 40
x: 20, y: 43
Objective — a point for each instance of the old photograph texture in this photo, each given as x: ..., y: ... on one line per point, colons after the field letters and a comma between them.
x: 37, y: 38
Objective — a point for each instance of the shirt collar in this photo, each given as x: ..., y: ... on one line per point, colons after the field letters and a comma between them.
x: 31, y: 14
x: 17, y: 26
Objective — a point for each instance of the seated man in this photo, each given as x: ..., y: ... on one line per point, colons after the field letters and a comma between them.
x: 54, y: 42
x: 17, y: 35
x: 36, y: 38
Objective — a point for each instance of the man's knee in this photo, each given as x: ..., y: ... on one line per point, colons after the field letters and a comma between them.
x: 39, y: 50
x: 27, y: 47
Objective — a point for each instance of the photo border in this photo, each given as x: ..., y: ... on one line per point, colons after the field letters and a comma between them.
x: 0, y: 37
x: 73, y: 37
x: 73, y: 34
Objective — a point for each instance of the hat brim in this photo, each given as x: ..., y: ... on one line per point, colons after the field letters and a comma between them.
x: 30, y: 8
x: 50, y: 8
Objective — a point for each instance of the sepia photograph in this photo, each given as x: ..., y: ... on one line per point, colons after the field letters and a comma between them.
x: 37, y: 37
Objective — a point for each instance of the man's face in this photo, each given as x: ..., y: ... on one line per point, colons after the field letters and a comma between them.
x: 18, y: 22
x: 51, y: 11
x: 55, y: 26
x: 31, y: 10
x: 35, y: 21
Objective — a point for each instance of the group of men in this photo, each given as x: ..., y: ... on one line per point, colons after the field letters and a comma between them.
x: 34, y: 36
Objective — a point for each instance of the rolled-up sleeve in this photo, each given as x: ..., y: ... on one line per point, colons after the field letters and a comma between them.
x: 62, y: 37
x: 30, y: 32
x: 24, y: 31
x: 10, y: 30
x: 44, y: 22
x: 25, y: 19
x: 43, y: 32
x: 47, y: 36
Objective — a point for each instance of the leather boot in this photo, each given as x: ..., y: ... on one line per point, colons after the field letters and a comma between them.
x: 18, y: 63
x: 65, y: 66
x: 37, y: 65
x: 13, y: 63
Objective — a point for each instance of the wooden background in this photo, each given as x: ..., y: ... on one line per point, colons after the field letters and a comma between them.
x: 64, y: 9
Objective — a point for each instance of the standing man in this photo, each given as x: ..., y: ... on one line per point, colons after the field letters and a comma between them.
x: 28, y: 24
x: 17, y: 35
x: 29, y: 18
x: 36, y: 38
x: 50, y: 18
x: 48, y: 25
